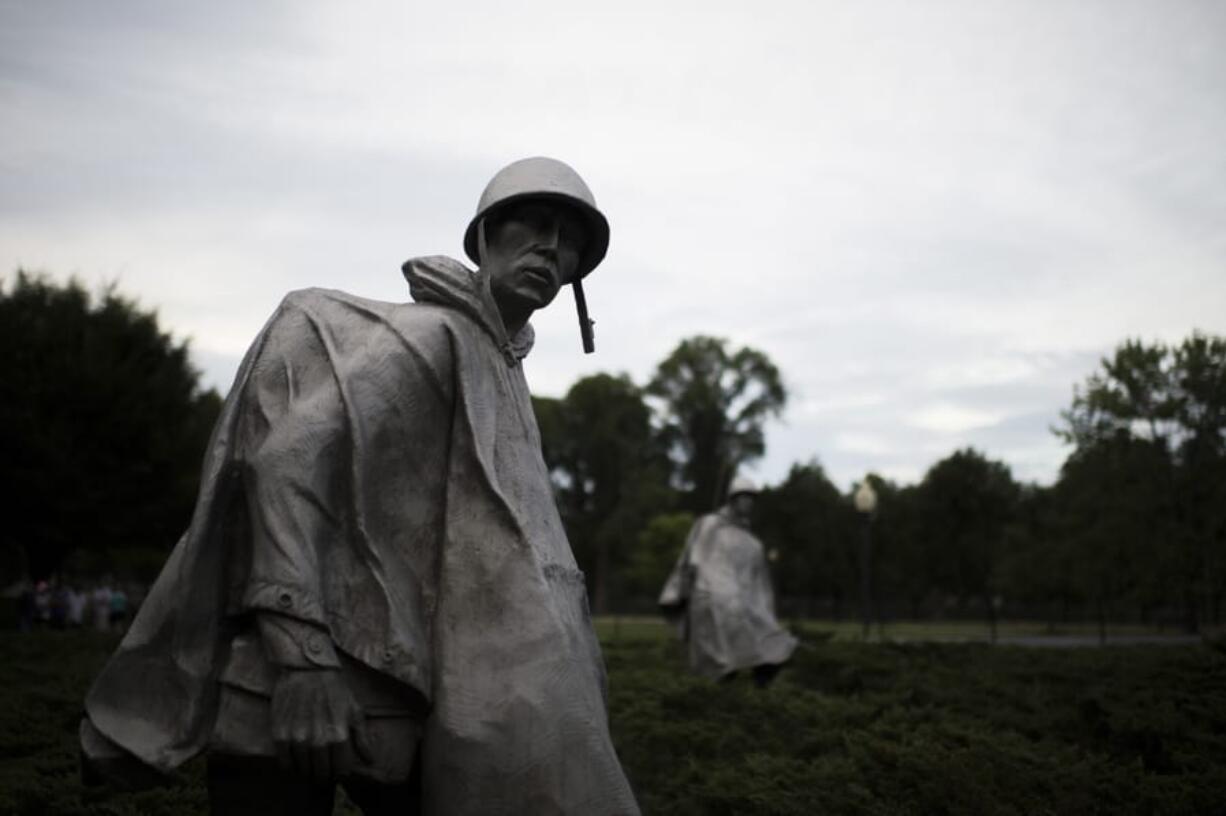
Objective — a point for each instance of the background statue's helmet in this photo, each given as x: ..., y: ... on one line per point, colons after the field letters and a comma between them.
x: 742, y: 485
x: 541, y: 177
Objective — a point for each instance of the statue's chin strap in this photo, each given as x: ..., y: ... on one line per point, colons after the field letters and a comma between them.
x: 585, y: 322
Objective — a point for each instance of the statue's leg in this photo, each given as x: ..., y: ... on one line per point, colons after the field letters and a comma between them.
x: 765, y: 673
x: 251, y: 786
x: 383, y: 799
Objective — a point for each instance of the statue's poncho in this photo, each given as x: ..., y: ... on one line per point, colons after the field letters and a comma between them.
x: 721, y: 589
x: 377, y: 471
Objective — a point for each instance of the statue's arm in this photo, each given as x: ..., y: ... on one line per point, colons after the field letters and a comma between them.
x: 676, y: 592
x: 766, y: 586
x: 317, y: 725
x: 294, y: 644
x: 294, y: 444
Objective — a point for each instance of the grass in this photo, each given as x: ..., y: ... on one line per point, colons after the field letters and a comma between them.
x: 928, y: 729
x: 850, y: 728
x: 956, y: 631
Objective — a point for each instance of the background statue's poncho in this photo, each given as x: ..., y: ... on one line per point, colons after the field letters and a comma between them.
x: 377, y: 471
x: 721, y: 588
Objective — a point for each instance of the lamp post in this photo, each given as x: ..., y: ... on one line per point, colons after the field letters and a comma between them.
x: 865, y: 500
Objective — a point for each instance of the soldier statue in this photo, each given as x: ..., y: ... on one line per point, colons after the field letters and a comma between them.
x: 720, y: 595
x: 375, y: 589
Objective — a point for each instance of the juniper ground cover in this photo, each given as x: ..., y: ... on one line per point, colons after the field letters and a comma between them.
x: 850, y: 728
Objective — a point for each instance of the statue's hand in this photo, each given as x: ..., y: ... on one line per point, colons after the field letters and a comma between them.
x: 317, y: 726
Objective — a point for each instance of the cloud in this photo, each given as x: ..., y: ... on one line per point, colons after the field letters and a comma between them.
x: 862, y: 443
x: 933, y: 219
x: 947, y: 418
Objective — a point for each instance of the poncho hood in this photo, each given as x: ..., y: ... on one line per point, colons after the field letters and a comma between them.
x: 445, y: 281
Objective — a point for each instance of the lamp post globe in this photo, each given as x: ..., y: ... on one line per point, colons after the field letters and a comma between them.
x: 865, y: 498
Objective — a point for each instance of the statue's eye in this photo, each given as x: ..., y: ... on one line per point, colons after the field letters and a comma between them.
x: 574, y: 231
x: 534, y: 216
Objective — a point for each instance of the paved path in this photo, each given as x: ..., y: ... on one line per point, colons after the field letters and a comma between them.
x: 1080, y: 641
x: 1064, y: 641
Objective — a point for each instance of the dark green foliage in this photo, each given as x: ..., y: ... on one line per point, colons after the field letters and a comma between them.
x: 907, y: 563
x: 927, y: 729
x: 812, y: 529
x: 1134, y: 530
x: 656, y: 550
x: 102, y: 429
x: 965, y: 504
x: 714, y: 402
x: 44, y: 677
x: 850, y: 728
x: 1143, y: 496
x: 1114, y: 514
x: 610, y: 474
x: 1036, y: 567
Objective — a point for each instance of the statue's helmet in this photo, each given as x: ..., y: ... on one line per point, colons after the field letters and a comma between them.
x: 742, y: 485
x: 542, y: 178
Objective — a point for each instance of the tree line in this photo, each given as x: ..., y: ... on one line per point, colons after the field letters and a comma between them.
x: 1134, y: 528
x: 103, y: 425
x: 102, y: 430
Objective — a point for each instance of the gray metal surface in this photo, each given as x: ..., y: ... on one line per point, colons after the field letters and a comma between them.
x: 377, y: 473
x: 720, y: 592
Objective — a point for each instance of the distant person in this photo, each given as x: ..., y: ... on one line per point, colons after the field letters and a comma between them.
x: 77, y: 602
x: 101, y: 601
x: 42, y: 604
x: 59, y: 605
x: 119, y: 609
x: 720, y: 591
x: 25, y: 608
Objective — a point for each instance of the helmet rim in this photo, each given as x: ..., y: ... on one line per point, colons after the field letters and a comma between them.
x: 541, y: 178
x: 742, y: 485
x: 598, y: 227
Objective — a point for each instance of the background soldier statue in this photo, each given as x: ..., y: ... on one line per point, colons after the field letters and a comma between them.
x: 721, y: 591
x: 376, y: 587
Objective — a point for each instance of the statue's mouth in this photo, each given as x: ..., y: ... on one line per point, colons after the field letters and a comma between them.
x: 540, y: 273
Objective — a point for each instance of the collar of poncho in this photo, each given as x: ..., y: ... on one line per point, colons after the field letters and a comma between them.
x: 728, y: 516
x: 446, y: 282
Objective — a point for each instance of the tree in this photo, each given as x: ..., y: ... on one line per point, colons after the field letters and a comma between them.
x: 1199, y: 386
x: 809, y: 525
x: 903, y: 567
x: 966, y: 503
x: 610, y: 476
x: 1133, y: 393
x: 714, y: 402
x: 657, y: 547
x: 1112, y: 511
x: 102, y: 426
x: 1038, y: 567
x: 1174, y: 401
x: 1199, y: 391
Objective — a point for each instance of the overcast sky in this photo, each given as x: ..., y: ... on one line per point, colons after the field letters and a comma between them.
x: 934, y: 216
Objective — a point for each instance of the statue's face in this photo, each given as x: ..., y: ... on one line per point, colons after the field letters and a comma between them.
x: 532, y: 249
x: 742, y: 504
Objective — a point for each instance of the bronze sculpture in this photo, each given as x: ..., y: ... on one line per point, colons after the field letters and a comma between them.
x: 376, y: 587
